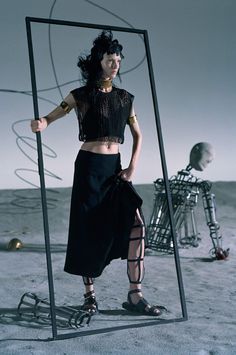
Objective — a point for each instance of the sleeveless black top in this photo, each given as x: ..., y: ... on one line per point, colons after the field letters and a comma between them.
x: 102, y: 116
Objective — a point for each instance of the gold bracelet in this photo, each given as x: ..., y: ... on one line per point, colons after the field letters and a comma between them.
x: 132, y: 120
x: 65, y: 107
x: 46, y: 118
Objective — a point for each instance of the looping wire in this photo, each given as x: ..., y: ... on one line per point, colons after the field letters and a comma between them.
x: 22, y: 141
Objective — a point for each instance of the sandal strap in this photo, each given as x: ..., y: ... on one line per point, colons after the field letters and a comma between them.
x: 138, y: 226
x: 136, y: 238
x: 89, y: 294
x: 142, y: 305
x: 136, y: 290
x: 88, y: 281
x: 90, y: 302
x: 137, y: 259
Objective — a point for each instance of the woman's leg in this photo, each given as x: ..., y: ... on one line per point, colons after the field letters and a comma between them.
x: 135, y: 270
x: 88, y: 283
x: 90, y: 303
x: 135, y: 262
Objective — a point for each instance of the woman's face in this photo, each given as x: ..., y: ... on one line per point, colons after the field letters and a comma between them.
x: 110, y: 65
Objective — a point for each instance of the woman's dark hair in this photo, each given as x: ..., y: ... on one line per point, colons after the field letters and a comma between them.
x: 90, y: 65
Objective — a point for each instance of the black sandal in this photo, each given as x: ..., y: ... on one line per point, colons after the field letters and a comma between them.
x: 90, y: 304
x: 142, y: 307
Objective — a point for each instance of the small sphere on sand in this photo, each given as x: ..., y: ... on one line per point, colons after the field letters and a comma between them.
x: 15, y: 244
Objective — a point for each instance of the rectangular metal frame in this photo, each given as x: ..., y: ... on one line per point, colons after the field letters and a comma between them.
x: 55, y: 334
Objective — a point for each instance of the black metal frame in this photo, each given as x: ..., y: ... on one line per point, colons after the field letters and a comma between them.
x: 55, y: 335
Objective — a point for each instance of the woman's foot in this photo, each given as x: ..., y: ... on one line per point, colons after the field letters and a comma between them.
x: 137, y: 303
x: 90, y: 304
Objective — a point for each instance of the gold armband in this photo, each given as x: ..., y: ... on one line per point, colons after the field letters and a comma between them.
x: 132, y: 120
x: 65, y: 107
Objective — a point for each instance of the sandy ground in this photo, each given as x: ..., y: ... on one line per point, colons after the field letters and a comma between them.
x: 209, y: 286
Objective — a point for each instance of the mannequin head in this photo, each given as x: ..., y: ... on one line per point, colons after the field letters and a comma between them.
x: 201, y: 155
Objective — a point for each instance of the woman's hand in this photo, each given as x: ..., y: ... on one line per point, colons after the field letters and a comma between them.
x: 39, y: 125
x: 126, y: 174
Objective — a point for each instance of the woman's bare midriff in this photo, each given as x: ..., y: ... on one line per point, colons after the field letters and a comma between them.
x: 101, y: 147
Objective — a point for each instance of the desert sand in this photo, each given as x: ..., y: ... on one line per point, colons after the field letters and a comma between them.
x: 209, y: 286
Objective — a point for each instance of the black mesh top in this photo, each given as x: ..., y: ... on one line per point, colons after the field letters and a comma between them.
x: 102, y: 116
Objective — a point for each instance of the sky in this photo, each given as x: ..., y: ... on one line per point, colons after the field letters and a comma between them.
x: 193, y: 52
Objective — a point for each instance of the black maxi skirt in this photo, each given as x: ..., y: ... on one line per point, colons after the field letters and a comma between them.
x: 103, y: 209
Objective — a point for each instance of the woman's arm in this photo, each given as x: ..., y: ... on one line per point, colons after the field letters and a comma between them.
x: 127, y: 173
x: 58, y: 112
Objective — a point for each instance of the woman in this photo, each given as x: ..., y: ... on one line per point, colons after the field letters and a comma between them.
x: 105, y: 216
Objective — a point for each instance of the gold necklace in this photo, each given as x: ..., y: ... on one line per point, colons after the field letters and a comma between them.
x: 104, y: 84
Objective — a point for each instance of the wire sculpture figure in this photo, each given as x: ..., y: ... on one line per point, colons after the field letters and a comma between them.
x: 185, y: 189
x: 68, y: 317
